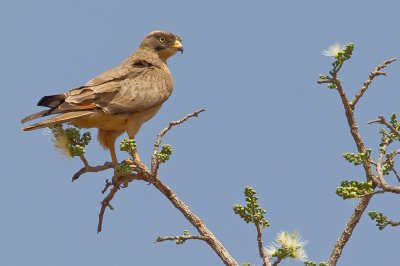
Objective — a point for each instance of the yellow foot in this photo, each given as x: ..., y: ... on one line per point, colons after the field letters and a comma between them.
x: 128, y: 161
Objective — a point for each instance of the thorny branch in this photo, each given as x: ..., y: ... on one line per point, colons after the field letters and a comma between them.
x: 141, y: 172
x: 349, y: 112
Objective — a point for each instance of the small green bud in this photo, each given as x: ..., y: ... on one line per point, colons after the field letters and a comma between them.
x: 123, y: 169
x: 354, y: 189
x: 251, y: 213
x: 381, y: 220
x: 164, y: 154
x: 127, y: 145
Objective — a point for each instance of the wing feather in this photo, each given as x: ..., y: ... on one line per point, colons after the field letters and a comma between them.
x: 125, y: 89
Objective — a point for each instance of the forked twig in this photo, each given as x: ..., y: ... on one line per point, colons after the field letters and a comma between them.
x: 91, y: 169
x: 375, y: 73
x: 383, y: 121
x: 155, y: 164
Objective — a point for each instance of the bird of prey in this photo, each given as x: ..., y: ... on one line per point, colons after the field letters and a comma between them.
x: 120, y: 99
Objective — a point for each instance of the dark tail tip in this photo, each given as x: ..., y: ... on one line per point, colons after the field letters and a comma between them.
x: 51, y: 101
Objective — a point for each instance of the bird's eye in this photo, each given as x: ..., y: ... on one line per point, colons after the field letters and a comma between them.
x: 162, y: 39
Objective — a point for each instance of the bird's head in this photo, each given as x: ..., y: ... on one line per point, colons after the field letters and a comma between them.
x: 164, y: 43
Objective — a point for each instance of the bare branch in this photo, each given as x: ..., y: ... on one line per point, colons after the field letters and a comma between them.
x: 378, y: 192
x: 91, y: 169
x: 201, y: 228
x: 381, y: 179
x: 375, y: 73
x: 278, y: 260
x: 104, y: 204
x: 396, y: 174
x: 263, y: 253
x: 393, y: 223
x: 324, y: 81
x: 383, y: 121
x: 178, y: 238
x: 154, y: 160
x: 106, y: 186
x: 85, y: 161
x: 348, y: 230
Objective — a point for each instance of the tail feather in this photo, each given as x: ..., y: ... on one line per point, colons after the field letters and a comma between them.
x: 36, y: 115
x: 62, y: 118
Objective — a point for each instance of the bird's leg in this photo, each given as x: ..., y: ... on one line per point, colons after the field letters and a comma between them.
x: 135, y: 155
x: 113, y: 155
x: 131, y: 134
x: 107, y: 139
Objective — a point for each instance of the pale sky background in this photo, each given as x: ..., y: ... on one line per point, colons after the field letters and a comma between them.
x: 253, y: 66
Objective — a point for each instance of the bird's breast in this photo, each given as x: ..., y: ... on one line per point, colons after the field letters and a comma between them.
x: 103, y: 121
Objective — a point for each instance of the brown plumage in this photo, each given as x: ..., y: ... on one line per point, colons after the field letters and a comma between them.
x: 120, y: 99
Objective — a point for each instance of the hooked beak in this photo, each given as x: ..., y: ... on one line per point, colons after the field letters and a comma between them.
x: 178, y: 46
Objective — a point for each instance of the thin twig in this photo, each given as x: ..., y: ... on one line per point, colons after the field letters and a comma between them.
x: 104, y: 204
x: 396, y: 174
x: 278, y: 260
x: 263, y: 253
x: 106, y: 186
x: 91, y: 169
x: 116, y: 185
x: 178, y: 238
x: 383, y: 121
x: 375, y: 73
x: 381, y: 179
x: 378, y: 192
x: 202, y: 229
x: 154, y: 160
x: 393, y: 223
x: 85, y: 161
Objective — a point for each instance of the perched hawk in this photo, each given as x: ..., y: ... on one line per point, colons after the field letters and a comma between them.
x: 120, y: 99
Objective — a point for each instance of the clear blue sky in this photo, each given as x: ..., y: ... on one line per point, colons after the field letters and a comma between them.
x: 253, y: 66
